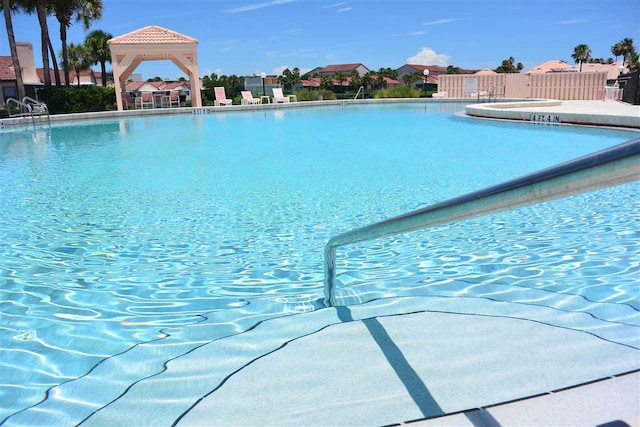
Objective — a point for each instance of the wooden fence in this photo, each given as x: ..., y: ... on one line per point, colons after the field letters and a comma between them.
x: 563, y: 86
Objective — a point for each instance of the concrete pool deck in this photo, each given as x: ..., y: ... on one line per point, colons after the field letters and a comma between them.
x: 598, y: 113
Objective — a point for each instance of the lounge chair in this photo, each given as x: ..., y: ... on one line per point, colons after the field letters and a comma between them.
x: 145, y: 99
x: 248, y: 99
x: 221, y: 97
x: 443, y: 94
x: 278, y: 95
x: 126, y: 100
x: 170, y: 100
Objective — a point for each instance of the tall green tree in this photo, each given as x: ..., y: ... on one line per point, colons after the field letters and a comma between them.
x: 453, y: 70
x: 79, y: 58
x: 581, y: 54
x: 509, y: 66
x: 96, y: 41
x: 633, y: 62
x: 326, y: 82
x: 408, y: 79
x: 626, y: 49
x: 7, y: 8
x: 367, y: 80
x: 616, y: 50
x: 339, y: 77
x: 84, y: 11
x: 356, y: 80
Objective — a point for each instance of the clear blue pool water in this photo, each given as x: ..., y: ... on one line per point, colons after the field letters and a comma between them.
x: 112, y: 231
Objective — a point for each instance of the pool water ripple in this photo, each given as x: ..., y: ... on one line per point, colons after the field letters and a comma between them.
x: 114, y: 232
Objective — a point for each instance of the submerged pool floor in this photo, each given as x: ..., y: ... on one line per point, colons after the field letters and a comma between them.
x: 379, y: 363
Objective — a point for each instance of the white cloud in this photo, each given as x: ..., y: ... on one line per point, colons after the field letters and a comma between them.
x: 428, y: 56
x: 442, y: 21
x: 256, y: 6
x: 278, y: 70
x: 573, y: 21
x: 333, y: 5
x: 208, y: 71
x: 344, y: 9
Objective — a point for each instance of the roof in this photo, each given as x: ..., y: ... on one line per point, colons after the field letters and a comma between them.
x: 152, y: 35
x: 612, y: 70
x: 550, y: 66
x: 340, y: 67
x: 485, y: 72
x: 556, y: 66
x: 173, y: 85
x: 7, y: 73
x: 431, y: 68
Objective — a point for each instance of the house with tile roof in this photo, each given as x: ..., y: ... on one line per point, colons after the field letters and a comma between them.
x: 613, y: 70
x: 345, y: 69
x: 434, y: 72
x: 33, y: 77
x: 8, y: 85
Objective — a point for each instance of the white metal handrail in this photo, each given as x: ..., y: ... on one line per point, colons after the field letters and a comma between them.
x: 37, y: 107
x: 606, y: 168
x: 361, y: 88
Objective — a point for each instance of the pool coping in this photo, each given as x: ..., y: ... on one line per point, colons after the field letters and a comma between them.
x: 505, y: 109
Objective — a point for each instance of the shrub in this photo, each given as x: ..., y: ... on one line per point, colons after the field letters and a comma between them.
x: 400, y: 91
x: 307, y: 95
x: 79, y: 99
x: 328, y: 95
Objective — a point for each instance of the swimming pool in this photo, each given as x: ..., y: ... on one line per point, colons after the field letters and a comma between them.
x: 114, y: 231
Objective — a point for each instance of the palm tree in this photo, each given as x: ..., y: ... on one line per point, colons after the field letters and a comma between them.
x: 7, y: 8
x: 97, y: 43
x: 367, y: 80
x: 79, y: 58
x: 408, y: 79
x: 616, y: 50
x: 339, y: 77
x: 356, y: 80
x: 85, y: 11
x: 581, y: 53
x: 626, y: 49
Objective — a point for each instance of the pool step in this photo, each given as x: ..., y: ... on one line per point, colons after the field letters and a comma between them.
x: 172, y: 380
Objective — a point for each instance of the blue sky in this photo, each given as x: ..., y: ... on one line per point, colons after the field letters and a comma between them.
x: 243, y: 37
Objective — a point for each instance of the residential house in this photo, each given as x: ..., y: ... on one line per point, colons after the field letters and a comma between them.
x: 8, y: 85
x: 345, y: 69
x: 613, y: 70
x: 259, y: 86
x: 32, y: 77
x: 553, y: 66
x: 313, y: 83
x: 434, y: 72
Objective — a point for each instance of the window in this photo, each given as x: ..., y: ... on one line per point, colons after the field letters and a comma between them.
x: 9, y: 92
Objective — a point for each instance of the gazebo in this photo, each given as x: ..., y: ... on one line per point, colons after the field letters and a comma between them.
x: 151, y: 44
